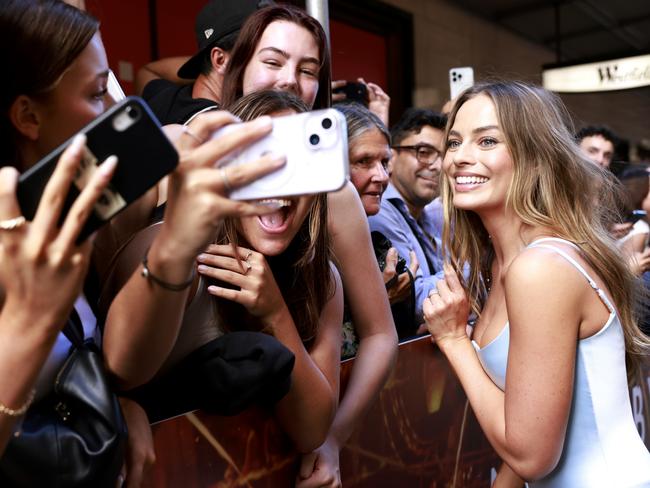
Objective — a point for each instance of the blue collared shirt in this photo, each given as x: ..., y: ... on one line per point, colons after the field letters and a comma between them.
x: 393, y: 224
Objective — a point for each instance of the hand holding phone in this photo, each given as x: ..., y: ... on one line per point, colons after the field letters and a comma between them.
x: 45, y: 269
x: 315, y: 145
x: 128, y: 131
x: 354, y: 91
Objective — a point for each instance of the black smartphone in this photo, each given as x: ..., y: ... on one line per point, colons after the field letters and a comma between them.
x: 128, y: 130
x: 381, y: 245
x: 354, y: 91
x: 635, y: 215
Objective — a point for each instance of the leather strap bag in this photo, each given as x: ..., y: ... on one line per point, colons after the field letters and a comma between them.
x: 76, y: 435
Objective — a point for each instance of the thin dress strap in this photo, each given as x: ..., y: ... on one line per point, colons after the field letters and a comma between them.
x: 592, y: 283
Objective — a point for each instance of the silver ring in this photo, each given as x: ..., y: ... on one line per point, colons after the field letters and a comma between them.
x: 12, y: 224
x: 188, y: 131
x: 224, y: 178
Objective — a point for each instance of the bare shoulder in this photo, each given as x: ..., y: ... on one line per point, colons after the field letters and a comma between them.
x: 543, y: 270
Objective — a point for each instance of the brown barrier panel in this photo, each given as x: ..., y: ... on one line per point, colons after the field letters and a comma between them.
x: 420, y: 433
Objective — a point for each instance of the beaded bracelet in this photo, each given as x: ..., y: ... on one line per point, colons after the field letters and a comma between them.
x: 146, y: 273
x: 5, y: 410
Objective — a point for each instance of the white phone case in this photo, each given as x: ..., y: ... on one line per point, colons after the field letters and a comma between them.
x: 316, y: 147
x: 459, y: 80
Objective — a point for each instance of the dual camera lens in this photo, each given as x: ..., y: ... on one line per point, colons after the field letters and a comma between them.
x: 326, y: 123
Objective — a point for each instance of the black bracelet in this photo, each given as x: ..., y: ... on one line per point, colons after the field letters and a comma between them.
x: 146, y: 273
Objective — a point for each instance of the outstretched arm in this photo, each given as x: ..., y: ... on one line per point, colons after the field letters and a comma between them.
x: 144, y: 318
x: 165, y: 68
x: 366, y: 296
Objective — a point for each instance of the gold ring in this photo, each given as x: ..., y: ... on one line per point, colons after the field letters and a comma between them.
x: 224, y: 178
x: 12, y: 224
x: 188, y: 131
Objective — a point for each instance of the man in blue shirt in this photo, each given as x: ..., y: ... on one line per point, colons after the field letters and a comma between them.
x: 417, y: 145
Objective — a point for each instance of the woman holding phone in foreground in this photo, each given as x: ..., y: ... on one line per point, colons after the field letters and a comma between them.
x: 56, y: 86
x: 545, y: 369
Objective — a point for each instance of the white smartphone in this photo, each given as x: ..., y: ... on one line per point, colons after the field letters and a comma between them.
x: 316, y: 147
x: 459, y: 80
x: 113, y: 87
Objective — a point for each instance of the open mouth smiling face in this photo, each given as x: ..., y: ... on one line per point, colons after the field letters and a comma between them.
x: 271, y: 234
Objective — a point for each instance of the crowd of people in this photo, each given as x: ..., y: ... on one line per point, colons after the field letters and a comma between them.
x: 495, y: 228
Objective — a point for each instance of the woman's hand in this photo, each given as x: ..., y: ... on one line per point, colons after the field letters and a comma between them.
x: 140, y: 454
x: 639, y: 262
x: 446, y: 310
x: 247, y: 270
x: 620, y: 230
x: 320, y: 468
x: 401, y: 288
x: 378, y: 101
x: 198, y: 191
x: 41, y: 265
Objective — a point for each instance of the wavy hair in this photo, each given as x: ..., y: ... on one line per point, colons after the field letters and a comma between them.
x: 302, y: 271
x: 553, y: 186
x: 249, y: 37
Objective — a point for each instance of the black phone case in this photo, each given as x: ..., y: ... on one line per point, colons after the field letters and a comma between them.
x: 355, y: 92
x: 144, y: 154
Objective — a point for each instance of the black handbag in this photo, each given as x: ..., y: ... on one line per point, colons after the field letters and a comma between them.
x: 76, y: 435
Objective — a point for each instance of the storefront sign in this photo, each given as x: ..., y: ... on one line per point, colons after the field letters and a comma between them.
x: 616, y: 74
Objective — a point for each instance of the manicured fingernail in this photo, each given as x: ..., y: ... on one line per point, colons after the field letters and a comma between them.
x: 201, y: 257
x: 107, y: 167
x: 78, y: 142
x: 201, y: 268
x: 279, y: 161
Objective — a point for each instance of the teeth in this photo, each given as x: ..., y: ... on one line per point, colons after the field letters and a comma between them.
x: 470, y: 180
x: 277, y: 202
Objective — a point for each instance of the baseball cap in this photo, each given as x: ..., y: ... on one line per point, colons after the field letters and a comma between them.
x: 216, y: 20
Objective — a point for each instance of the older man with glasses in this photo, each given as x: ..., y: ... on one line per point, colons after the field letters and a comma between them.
x: 418, y: 141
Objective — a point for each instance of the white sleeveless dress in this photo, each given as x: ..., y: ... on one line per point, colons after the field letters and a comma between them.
x: 602, y: 447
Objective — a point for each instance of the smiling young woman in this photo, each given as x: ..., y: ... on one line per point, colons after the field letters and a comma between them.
x: 545, y: 368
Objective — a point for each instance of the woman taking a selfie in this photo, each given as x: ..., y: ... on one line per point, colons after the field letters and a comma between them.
x: 270, y: 273
x: 282, y: 48
x: 545, y: 369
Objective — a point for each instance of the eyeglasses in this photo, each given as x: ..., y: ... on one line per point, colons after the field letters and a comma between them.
x: 424, y: 153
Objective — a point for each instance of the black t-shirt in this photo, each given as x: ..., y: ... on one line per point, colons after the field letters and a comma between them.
x: 172, y: 103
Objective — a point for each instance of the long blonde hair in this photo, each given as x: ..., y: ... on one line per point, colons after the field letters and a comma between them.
x: 553, y: 186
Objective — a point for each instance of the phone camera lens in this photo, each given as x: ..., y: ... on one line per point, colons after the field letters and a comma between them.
x: 326, y: 123
x: 132, y: 112
x: 314, y: 139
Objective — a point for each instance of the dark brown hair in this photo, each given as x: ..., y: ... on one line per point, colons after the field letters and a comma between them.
x: 302, y: 271
x: 249, y: 37
x: 39, y: 40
